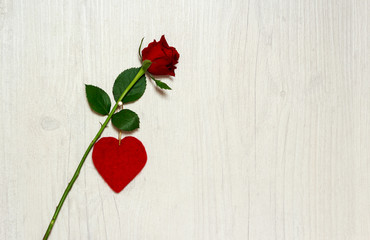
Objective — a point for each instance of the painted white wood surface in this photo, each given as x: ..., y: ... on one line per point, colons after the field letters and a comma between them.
x: 266, y: 134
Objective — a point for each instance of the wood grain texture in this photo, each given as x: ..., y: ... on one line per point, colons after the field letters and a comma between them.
x: 266, y: 134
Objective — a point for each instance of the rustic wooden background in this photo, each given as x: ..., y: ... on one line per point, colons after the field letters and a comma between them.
x: 266, y: 134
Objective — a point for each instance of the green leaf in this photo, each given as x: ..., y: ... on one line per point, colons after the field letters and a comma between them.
x: 98, y: 99
x: 122, y: 82
x: 161, y: 84
x: 126, y: 120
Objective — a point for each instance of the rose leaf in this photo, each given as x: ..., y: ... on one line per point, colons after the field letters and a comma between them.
x: 122, y: 82
x: 98, y: 99
x: 126, y: 120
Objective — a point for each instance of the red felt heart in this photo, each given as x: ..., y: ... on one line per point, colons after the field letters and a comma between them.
x: 119, y: 164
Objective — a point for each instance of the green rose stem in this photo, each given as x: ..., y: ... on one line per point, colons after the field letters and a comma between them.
x: 145, y: 65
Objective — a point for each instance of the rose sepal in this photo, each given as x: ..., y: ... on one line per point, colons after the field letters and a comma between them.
x: 146, y: 64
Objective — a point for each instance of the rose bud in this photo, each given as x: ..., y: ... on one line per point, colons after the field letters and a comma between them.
x: 163, y: 57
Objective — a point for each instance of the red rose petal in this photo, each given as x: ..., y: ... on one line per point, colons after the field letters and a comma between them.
x: 119, y: 164
x: 163, y: 41
x: 163, y: 57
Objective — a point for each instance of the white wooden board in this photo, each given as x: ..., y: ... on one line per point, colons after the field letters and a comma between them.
x: 266, y: 134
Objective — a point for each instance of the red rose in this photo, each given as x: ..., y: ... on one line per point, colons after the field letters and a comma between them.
x: 162, y: 56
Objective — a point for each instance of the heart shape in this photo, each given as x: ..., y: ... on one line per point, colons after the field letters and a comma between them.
x: 119, y: 164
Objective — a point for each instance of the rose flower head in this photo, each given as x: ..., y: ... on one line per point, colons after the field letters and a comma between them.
x: 163, y: 57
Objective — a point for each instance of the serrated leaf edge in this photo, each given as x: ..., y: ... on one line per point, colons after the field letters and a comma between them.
x: 100, y: 104
x: 138, y: 119
x: 128, y: 69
